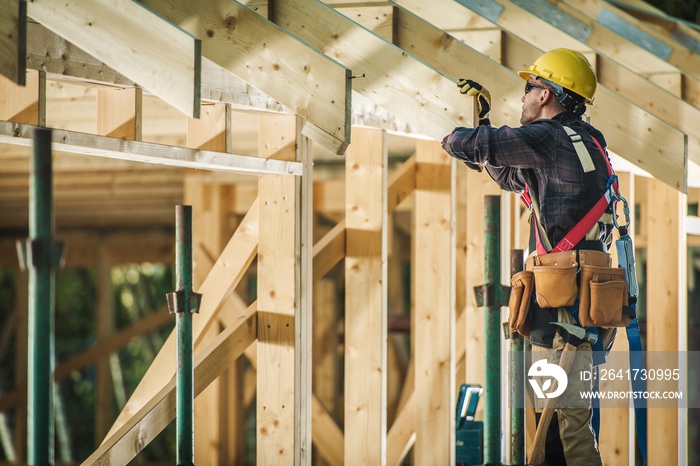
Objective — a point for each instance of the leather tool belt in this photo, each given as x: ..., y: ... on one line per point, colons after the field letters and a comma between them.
x: 559, y: 279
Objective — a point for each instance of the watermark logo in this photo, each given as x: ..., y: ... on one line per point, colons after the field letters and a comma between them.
x: 552, y: 372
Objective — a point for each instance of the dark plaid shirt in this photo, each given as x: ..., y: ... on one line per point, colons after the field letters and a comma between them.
x: 541, y: 155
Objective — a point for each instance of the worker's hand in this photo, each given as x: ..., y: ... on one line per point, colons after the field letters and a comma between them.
x: 483, y: 98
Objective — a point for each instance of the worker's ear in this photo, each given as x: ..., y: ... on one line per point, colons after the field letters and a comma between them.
x: 544, y: 96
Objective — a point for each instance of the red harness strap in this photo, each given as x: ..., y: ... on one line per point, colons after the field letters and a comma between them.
x: 578, y: 232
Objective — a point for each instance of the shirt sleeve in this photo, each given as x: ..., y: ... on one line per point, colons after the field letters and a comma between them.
x: 528, y: 146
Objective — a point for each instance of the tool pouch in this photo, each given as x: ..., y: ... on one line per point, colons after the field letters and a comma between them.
x: 603, y: 296
x: 555, y: 279
x: 519, y: 319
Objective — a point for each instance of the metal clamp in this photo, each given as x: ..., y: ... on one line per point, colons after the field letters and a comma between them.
x: 625, y: 209
x: 176, y: 302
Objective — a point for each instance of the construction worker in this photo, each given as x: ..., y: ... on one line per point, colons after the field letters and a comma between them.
x: 539, y: 160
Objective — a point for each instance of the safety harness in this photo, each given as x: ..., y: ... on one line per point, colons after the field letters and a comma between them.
x: 625, y: 256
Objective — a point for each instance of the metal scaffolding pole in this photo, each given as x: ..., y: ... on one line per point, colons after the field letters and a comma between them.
x: 517, y: 388
x: 183, y: 303
x: 40, y: 255
x: 492, y: 296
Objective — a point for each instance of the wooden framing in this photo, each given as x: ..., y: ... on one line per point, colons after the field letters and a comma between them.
x: 99, y: 26
x: 366, y: 298
x: 301, y: 61
x: 387, y: 75
x: 434, y: 305
x: 136, y: 151
x: 131, y: 438
x: 225, y: 275
x: 314, y: 86
x: 119, y: 112
x: 667, y: 302
x: 24, y: 104
x: 13, y: 40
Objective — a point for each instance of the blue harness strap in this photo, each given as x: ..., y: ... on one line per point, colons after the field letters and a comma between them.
x: 638, y: 385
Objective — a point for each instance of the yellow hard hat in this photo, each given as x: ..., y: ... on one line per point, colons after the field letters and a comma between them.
x: 567, y: 68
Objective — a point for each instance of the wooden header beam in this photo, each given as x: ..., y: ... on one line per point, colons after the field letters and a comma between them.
x: 274, y: 61
x: 136, y: 151
x: 128, y: 37
x: 13, y: 40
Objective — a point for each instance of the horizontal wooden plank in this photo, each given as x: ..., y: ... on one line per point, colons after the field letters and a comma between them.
x: 151, y: 51
x: 13, y: 40
x: 103, y: 146
x: 274, y: 61
x: 385, y: 74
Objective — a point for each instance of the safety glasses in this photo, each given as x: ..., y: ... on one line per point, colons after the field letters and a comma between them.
x: 529, y: 86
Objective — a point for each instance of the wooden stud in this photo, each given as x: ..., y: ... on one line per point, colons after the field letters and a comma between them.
x: 119, y: 112
x: 212, y: 130
x: 21, y: 305
x: 325, y: 358
x: 277, y: 299
x: 105, y: 320
x: 366, y: 298
x: 151, y: 43
x: 434, y: 305
x: 393, y: 79
x: 24, y: 104
x: 13, y: 40
x: 666, y: 291
x: 269, y: 58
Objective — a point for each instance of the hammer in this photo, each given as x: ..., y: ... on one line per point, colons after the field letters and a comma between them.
x: 574, y: 336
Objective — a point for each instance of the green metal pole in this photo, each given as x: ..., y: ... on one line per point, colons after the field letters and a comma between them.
x: 183, y: 303
x: 40, y: 258
x: 492, y: 340
x: 517, y: 388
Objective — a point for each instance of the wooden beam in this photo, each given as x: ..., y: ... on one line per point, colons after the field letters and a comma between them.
x: 13, y: 40
x: 331, y: 248
x: 434, y: 305
x: 666, y: 291
x: 326, y: 370
x: 152, y: 52
x: 272, y: 60
x: 156, y: 414
x: 402, y: 434
x: 119, y: 112
x: 277, y: 302
x: 103, y: 146
x: 104, y: 328
x: 393, y: 79
x: 328, y: 437
x: 645, y: 140
x: 24, y: 104
x: 668, y: 45
x: 366, y: 298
